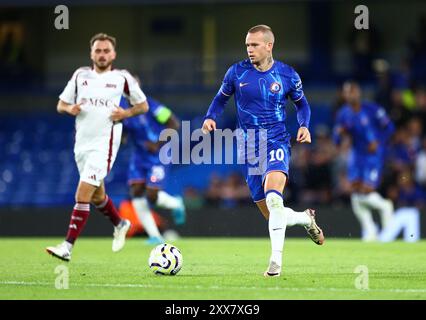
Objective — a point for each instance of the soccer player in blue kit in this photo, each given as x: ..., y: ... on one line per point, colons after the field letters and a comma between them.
x: 369, y: 128
x: 146, y: 172
x: 261, y: 86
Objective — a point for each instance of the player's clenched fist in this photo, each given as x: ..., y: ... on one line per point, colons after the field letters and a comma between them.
x: 118, y: 114
x: 209, y: 125
x: 74, y: 109
x: 303, y: 135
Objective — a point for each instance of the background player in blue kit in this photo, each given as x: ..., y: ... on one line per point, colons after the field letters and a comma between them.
x: 369, y: 128
x: 146, y: 173
x: 261, y: 87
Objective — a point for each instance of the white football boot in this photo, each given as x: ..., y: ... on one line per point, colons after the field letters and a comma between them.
x: 120, y: 232
x: 313, y: 230
x: 61, y: 251
x: 274, y: 270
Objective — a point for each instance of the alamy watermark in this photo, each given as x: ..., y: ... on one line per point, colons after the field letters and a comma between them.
x: 196, y: 147
x: 361, y: 281
x: 62, y: 21
x: 361, y: 21
x: 62, y: 280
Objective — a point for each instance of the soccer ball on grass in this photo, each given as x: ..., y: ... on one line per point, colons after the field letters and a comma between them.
x: 165, y: 259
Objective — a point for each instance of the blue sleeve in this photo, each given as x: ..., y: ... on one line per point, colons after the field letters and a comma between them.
x: 338, y: 126
x: 226, y: 90
x: 303, y: 112
x: 295, y: 87
x: 153, y: 105
x: 384, y: 121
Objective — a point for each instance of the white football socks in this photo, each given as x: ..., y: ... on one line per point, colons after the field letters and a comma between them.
x: 384, y: 206
x: 145, y: 216
x: 166, y: 201
x: 297, y: 218
x: 365, y: 217
x: 277, y: 225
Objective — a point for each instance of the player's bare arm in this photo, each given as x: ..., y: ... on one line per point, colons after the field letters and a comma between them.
x: 173, y: 123
x: 119, y: 113
x: 72, y: 109
x: 209, y: 125
x: 303, y: 135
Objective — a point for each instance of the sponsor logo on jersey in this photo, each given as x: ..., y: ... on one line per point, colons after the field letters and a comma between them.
x: 98, y: 102
x: 298, y: 84
x: 275, y: 87
x: 110, y: 85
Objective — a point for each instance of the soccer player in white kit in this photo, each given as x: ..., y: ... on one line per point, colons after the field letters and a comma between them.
x: 92, y: 96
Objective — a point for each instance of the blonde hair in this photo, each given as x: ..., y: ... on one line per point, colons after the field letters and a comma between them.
x: 266, y: 30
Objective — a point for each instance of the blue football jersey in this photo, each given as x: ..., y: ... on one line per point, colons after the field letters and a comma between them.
x: 143, y: 128
x: 369, y: 124
x: 260, y: 97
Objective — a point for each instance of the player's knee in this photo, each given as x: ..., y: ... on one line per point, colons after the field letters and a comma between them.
x: 98, y: 199
x: 137, y: 190
x: 82, y: 198
x: 355, y: 187
x: 275, y: 180
x: 85, y: 192
x: 367, y: 189
x: 152, y: 195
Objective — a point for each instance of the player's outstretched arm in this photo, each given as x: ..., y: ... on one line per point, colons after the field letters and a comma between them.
x: 72, y: 109
x: 119, y: 113
x: 303, y: 135
x: 208, y: 125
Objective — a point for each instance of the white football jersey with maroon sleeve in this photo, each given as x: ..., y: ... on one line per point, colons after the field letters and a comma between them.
x: 99, y: 94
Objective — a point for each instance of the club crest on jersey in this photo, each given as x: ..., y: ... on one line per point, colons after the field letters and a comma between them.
x: 275, y: 87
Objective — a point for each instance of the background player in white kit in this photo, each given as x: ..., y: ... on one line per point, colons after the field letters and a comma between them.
x: 93, y: 96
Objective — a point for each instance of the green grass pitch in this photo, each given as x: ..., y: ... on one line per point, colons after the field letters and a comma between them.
x: 215, y: 268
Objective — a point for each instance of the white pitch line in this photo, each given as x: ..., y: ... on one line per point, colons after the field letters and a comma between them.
x: 147, y: 286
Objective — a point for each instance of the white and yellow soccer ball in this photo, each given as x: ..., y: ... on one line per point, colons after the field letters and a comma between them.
x: 165, y: 259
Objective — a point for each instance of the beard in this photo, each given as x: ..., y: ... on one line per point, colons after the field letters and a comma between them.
x: 103, y: 65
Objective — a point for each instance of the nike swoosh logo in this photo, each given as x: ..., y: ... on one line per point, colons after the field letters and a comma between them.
x: 242, y: 84
x: 276, y: 229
